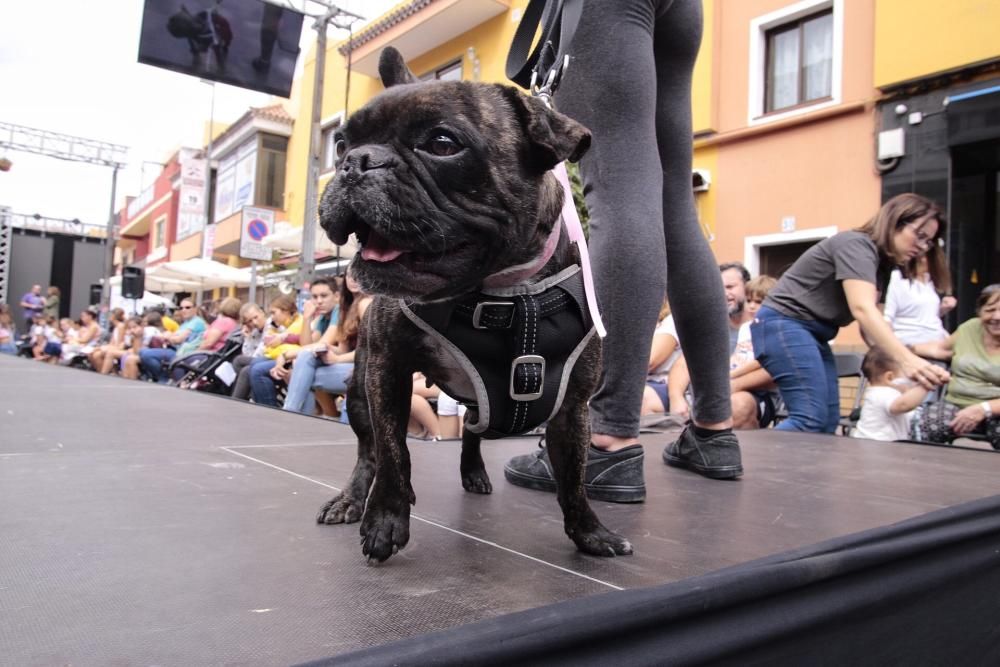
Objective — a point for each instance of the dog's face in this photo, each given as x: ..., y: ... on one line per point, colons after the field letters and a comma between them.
x: 445, y: 183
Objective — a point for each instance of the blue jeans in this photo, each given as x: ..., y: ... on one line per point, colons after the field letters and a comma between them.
x: 155, y: 362
x: 797, y: 354
x: 261, y: 383
x: 309, y: 372
x: 8, y: 348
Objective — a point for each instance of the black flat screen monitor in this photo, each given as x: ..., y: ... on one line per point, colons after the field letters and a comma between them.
x: 246, y: 43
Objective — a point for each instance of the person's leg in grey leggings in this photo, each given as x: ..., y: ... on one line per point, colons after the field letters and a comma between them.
x: 630, y: 83
x: 634, y: 93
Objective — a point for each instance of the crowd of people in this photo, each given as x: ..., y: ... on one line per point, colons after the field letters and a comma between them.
x: 891, y: 276
x: 298, y: 359
x: 921, y: 382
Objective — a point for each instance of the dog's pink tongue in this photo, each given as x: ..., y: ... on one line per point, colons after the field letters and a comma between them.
x: 378, y: 249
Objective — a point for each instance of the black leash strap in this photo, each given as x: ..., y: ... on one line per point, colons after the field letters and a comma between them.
x: 542, y: 67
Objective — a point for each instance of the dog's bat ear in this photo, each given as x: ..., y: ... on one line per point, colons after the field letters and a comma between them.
x: 392, y: 68
x: 553, y: 136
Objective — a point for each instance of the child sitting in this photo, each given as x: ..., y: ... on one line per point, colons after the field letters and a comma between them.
x: 888, y: 400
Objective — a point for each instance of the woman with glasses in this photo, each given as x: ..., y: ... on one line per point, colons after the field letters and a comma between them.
x: 839, y: 280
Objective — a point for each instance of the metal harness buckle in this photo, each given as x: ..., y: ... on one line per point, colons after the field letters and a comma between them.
x: 521, y: 361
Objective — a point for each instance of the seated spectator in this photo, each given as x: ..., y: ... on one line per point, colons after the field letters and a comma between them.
x: 664, y: 352
x: 170, y: 325
x: 327, y: 364
x: 116, y: 341
x: 113, y: 356
x: 450, y: 414
x: 423, y: 422
x: 281, y: 337
x: 889, y: 399
x: 7, y: 332
x: 254, y: 321
x: 428, y: 423
x: 152, y: 328
x: 913, y: 306
x: 49, y: 342
x: 82, y: 340
x: 223, y: 324
x: 753, y: 394
x: 971, y: 403
x: 187, y: 338
x: 36, y: 334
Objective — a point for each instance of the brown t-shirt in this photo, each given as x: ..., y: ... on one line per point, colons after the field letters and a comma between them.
x: 812, y: 289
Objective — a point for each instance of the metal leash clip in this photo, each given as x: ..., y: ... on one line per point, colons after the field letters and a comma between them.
x: 552, y: 80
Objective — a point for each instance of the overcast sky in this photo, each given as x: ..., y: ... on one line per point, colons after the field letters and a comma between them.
x: 69, y: 66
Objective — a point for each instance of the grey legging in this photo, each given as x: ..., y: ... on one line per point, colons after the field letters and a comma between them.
x: 630, y: 83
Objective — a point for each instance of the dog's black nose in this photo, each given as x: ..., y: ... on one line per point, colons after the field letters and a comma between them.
x: 366, y: 158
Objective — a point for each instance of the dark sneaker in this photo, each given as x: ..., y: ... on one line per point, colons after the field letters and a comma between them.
x: 614, y: 477
x: 717, y: 456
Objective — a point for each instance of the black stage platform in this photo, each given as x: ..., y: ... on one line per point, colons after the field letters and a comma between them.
x: 141, y: 524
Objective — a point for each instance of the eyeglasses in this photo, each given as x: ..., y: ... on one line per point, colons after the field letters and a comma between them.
x: 923, y: 239
x: 187, y: 308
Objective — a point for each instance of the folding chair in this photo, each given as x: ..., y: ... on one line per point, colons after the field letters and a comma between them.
x: 851, y: 382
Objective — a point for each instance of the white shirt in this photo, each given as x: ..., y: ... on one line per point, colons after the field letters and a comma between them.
x: 913, y: 307
x: 666, y: 328
x: 876, y: 422
x: 743, y: 352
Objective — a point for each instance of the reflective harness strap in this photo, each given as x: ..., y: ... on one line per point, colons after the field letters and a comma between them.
x: 516, y: 346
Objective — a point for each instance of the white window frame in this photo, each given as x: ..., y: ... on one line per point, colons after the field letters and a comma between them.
x: 327, y: 124
x: 753, y: 244
x: 759, y: 28
x: 162, y: 220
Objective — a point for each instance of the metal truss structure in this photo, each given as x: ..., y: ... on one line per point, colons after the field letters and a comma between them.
x: 5, y: 243
x: 74, y: 149
x: 62, y: 146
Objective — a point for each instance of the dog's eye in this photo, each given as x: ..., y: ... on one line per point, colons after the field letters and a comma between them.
x: 442, y: 145
x: 340, y: 147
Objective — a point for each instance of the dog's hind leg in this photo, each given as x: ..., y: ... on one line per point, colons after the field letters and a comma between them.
x: 349, y: 504
x: 567, y: 438
x: 474, y: 477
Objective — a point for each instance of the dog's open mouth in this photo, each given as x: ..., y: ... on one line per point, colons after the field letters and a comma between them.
x: 375, y: 247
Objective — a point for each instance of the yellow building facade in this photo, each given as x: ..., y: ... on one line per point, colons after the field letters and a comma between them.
x: 790, y: 102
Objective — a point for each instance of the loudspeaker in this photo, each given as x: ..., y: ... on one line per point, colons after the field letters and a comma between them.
x: 133, y: 282
x: 95, y: 294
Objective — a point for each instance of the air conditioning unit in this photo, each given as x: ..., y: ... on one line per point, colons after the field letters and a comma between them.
x: 700, y: 180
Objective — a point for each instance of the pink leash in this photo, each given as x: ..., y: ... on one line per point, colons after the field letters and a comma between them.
x: 575, y: 231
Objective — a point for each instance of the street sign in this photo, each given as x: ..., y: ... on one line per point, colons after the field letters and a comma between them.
x: 257, y: 223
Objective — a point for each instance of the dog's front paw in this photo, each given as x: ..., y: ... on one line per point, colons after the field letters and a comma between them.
x: 342, y: 509
x: 384, y: 532
x: 601, y: 542
x: 476, y: 481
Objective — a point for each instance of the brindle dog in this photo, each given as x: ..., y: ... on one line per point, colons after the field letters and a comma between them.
x: 444, y: 184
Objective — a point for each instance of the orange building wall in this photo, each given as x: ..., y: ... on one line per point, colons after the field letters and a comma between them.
x: 820, y: 173
x: 732, y: 22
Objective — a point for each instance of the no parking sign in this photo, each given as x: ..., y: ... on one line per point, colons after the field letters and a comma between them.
x: 257, y: 223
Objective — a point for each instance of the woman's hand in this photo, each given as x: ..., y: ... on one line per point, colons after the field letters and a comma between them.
x: 924, y: 373
x: 948, y: 304
x: 967, y: 419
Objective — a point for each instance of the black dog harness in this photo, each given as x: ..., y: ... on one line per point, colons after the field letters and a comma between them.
x: 517, y: 346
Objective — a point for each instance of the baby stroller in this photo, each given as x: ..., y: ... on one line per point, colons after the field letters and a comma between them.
x: 211, y: 372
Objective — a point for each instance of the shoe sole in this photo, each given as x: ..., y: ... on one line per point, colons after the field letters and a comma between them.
x: 610, y: 494
x: 712, y: 472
